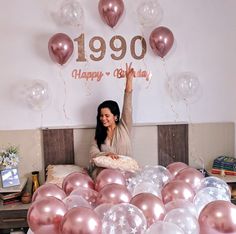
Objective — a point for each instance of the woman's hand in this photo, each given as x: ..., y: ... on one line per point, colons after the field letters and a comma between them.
x: 112, y: 155
x: 130, y: 74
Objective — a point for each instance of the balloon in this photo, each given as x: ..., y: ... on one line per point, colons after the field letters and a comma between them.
x: 207, y: 195
x: 218, y: 217
x: 81, y: 220
x: 124, y: 218
x: 175, y: 167
x: 191, y: 176
x: 102, y: 209
x: 109, y: 176
x: 183, y: 219
x: 151, y: 206
x: 161, y: 40
x: 48, y: 190
x: 60, y: 48
x: 38, y: 95
x: 113, y: 193
x: 181, y: 204
x: 75, y: 201
x: 149, y: 13
x: 75, y: 180
x: 159, y: 175
x: 87, y: 193
x: 111, y: 11
x: 213, y: 181
x: 186, y: 84
x: 161, y: 227
x: 177, y: 189
x: 45, y: 214
x: 71, y: 13
x: 146, y: 187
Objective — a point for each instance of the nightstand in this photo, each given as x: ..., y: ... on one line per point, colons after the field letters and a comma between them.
x: 13, y: 217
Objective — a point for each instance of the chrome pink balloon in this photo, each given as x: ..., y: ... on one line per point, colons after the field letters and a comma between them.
x: 218, y: 217
x: 161, y: 41
x: 46, y: 214
x: 49, y: 190
x: 81, y: 220
x: 60, y: 47
x: 151, y: 206
x: 113, y: 193
x: 75, y: 180
x: 111, y: 11
x: 177, y: 189
x: 87, y: 193
x: 109, y: 176
x: 191, y: 176
x: 175, y: 167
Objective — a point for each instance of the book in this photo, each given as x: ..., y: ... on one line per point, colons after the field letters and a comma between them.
x: 7, y: 196
x: 15, y: 189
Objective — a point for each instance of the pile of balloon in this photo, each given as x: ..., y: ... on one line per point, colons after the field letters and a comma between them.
x: 176, y: 199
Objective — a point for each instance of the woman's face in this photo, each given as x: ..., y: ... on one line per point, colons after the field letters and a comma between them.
x: 107, y: 118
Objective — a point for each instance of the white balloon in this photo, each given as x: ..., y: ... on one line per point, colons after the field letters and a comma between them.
x: 71, y: 13
x: 183, y: 219
x: 149, y: 13
x: 38, y: 95
x: 187, y: 85
x: 207, y: 195
x: 161, y: 227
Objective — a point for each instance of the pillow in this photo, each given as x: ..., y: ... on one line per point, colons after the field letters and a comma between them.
x: 57, y: 173
x: 123, y: 163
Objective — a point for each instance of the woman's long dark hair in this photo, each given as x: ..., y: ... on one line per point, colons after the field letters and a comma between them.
x: 101, y: 131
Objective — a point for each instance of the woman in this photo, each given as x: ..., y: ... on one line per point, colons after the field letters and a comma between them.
x: 112, y: 134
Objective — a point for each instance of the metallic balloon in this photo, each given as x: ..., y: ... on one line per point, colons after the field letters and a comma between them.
x: 109, y: 176
x: 151, y: 206
x: 45, y: 215
x: 111, y: 11
x: 76, y: 180
x: 161, y: 41
x: 81, y: 220
x: 175, y: 167
x: 48, y: 190
x: 60, y: 47
x: 218, y: 217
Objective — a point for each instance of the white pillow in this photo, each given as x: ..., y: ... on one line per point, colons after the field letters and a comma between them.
x: 123, y: 163
x: 57, y: 173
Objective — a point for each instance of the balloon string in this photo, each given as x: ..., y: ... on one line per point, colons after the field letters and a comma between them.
x: 41, y: 119
x: 169, y: 88
x: 65, y: 94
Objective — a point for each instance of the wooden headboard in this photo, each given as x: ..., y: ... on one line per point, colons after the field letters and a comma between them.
x: 152, y: 144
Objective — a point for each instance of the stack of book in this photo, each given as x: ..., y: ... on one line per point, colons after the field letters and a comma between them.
x: 224, y: 164
x: 12, y: 194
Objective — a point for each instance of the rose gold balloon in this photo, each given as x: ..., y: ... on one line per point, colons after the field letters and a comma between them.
x: 109, y: 176
x: 49, y: 190
x: 152, y: 206
x: 177, y: 189
x: 218, y: 217
x: 60, y: 48
x: 161, y: 41
x: 191, y: 176
x: 87, y: 193
x: 111, y: 11
x: 113, y: 193
x: 75, y: 180
x: 46, y: 214
x: 81, y: 220
x: 175, y: 167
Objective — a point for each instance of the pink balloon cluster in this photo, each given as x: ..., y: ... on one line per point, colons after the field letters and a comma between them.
x: 106, y: 204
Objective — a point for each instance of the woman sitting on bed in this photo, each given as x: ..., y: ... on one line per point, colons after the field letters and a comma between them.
x: 112, y: 134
